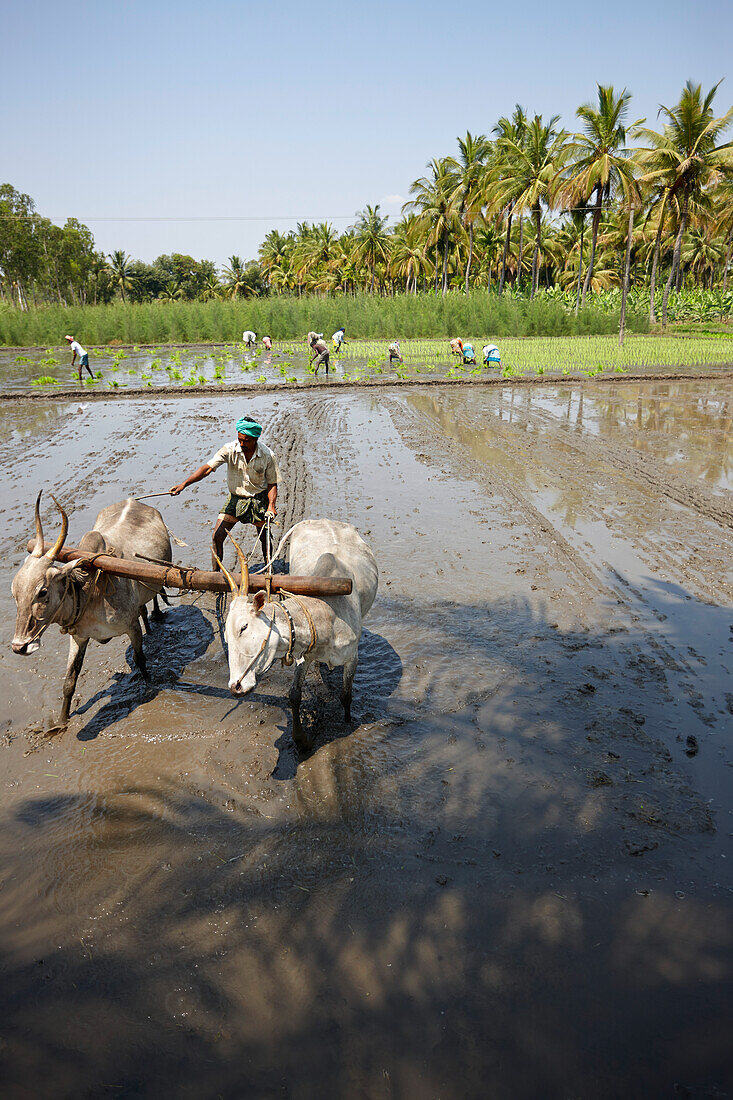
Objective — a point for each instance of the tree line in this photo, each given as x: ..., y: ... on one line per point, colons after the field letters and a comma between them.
x: 531, y: 206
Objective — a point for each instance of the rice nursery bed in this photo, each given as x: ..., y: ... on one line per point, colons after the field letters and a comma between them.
x: 197, y: 365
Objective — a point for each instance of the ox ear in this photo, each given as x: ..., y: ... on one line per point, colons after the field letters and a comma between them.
x: 70, y: 566
x: 259, y: 601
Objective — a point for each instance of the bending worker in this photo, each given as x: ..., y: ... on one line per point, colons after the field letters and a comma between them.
x: 469, y: 355
x: 338, y: 338
x: 491, y: 355
x: 77, y: 349
x: 319, y: 350
x: 252, y: 478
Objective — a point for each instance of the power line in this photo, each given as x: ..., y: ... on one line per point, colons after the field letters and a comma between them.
x: 203, y: 218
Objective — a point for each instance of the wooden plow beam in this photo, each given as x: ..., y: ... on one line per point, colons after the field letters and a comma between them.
x: 198, y: 580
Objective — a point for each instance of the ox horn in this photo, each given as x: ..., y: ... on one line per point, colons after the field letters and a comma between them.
x: 64, y: 531
x: 38, y: 548
x: 225, y: 571
x: 243, y: 568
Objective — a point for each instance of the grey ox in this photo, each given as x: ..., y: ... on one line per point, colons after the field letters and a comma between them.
x: 82, y: 604
x: 303, y: 629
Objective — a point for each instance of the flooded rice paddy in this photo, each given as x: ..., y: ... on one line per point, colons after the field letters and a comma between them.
x: 195, y: 368
x: 511, y: 875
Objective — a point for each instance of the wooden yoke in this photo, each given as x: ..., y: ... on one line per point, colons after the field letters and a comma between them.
x: 200, y: 580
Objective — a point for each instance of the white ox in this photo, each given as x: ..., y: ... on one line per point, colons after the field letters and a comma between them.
x: 82, y: 606
x: 304, y: 629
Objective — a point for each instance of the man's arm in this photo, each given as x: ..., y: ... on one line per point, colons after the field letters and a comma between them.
x: 271, y: 499
x: 197, y: 475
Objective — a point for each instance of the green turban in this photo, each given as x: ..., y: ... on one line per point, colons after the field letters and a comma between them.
x: 249, y: 427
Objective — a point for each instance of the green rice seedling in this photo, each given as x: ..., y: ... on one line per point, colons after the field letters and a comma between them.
x: 262, y: 378
x: 190, y: 382
x: 50, y: 361
x: 155, y: 364
x: 98, y: 374
x: 144, y: 377
x: 291, y: 378
x: 202, y: 379
x: 45, y: 380
x: 114, y: 384
x: 176, y: 374
x: 23, y: 359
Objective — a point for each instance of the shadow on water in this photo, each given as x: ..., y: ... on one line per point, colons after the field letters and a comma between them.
x: 377, y: 676
x: 450, y: 911
x: 183, y: 634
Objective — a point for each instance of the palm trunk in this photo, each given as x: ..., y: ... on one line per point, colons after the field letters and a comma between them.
x: 655, y: 263
x: 675, y: 260
x: 502, y: 277
x: 521, y: 250
x: 470, y: 254
x: 596, y: 223
x: 536, y: 254
x: 627, y: 268
x: 727, y: 260
x: 445, y: 262
x: 580, y: 268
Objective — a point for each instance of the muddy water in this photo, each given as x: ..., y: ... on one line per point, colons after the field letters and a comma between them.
x: 508, y: 869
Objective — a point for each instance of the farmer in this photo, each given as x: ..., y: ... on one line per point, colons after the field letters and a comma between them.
x: 252, y: 478
x: 456, y: 346
x: 469, y: 355
x: 267, y: 343
x: 319, y: 350
x: 338, y: 338
x: 249, y: 338
x: 77, y: 349
x: 394, y: 352
x: 491, y: 355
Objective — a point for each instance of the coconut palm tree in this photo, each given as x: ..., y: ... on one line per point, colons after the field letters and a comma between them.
x: 510, y: 135
x: 120, y: 263
x: 436, y: 210
x: 724, y: 220
x: 469, y: 193
x: 373, y: 240
x: 685, y: 158
x: 536, y: 164
x: 600, y: 162
x: 235, y: 281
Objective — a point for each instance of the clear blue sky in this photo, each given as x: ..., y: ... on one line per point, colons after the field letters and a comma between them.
x: 308, y: 110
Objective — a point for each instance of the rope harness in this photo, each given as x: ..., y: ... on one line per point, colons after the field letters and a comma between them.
x: 70, y: 588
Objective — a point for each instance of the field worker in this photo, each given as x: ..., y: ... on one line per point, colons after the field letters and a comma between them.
x: 491, y: 355
x: 267, y: 343
x: 456, y: 346
x: 469, y: 355
x: 338, y: 338
x: 252, y: 479
x: 249, y: 338
x: 77, y: 349
x: 319, y: 350
x: 394, y: 352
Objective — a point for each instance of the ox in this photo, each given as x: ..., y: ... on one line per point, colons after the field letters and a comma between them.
x: 303, y: 629
x: 82, y: 605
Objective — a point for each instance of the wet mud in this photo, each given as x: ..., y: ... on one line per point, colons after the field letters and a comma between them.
x: 510, y: 875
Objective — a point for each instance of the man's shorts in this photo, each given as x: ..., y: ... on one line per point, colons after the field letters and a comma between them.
x: 324, y: 358
x: 84, y: 361
x: 246, y: 509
